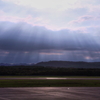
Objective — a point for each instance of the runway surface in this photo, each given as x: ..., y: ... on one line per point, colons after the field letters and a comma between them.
x: 50, y: 93
x: 49, y: 78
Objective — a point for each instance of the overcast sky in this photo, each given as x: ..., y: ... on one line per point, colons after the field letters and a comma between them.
x: 42, y: 30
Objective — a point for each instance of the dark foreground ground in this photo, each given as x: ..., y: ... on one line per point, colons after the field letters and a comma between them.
x: 50, y: 93
x: 50, y: 82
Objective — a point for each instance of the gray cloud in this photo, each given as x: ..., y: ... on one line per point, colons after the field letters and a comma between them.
x: 87, y: 17
x: 22, y: 42
x: 24, y: 37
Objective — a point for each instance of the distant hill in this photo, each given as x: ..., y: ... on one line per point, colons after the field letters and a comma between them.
x: 20, y: 64
x: 65, y: 64
x: 5, y: 64
x: 69, y: 64
x: 52, y: 68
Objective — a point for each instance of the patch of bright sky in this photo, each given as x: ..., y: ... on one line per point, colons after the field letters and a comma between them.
x: 53, y: 14
x: 43, y: 4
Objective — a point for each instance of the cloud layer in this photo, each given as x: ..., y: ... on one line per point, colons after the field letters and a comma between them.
x: 22, y: 40
x: 25, y: 37
x: 41, y: 30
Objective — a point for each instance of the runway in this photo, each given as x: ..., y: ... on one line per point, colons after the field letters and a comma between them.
x: 51, y: 78
x: 50, y: 93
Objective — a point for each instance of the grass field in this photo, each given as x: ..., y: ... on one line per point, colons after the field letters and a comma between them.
x: 48, y: 83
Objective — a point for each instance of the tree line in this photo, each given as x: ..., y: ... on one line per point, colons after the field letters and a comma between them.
x: 47, y: 71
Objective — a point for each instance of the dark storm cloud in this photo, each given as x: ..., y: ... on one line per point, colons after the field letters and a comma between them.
x: 24, y: 37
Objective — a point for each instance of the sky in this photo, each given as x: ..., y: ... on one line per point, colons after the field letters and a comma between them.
x: 32, y: 31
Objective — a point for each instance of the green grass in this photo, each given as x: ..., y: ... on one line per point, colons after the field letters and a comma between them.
x: 49, y: 83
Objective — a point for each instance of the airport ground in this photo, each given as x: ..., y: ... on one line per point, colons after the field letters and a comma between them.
x: 48, y: 81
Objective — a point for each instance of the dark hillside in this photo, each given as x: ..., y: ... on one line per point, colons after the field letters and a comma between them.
x: 69, y: 64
